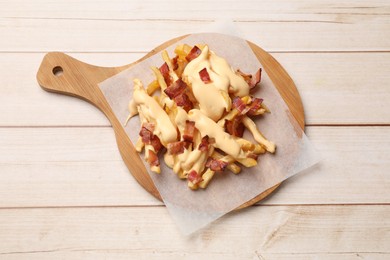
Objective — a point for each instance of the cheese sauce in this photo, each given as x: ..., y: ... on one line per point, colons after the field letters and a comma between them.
x: 152, y: 112
x: 223, y: 140
x: 213, y: 97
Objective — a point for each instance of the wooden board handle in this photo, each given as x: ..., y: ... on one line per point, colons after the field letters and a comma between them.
x: 63, y: 74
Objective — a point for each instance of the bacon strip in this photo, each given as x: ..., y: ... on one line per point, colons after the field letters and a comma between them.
x: 252, y: 80
x: 204, y: 144
x: 164, y: 69
x: 146, y: 132
x: 148, y: 137
x: 156, y: 143
x: 176, y: 147
x: 255, y: 105
x: 194, y: 177
x: 240, y: 105
x: 189, y: 131
x: 235, y: 127
x: 256, y: 78
x: 174, y: 63
x: 175, y: 89
x: 216, y: 165
x: 184, y: 101
x: 204, y: 76
x: 195, y: 52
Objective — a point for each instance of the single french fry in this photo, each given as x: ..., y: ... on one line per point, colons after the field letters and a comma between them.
x: 269, y: 146
x: 247, y: 162
x: 152, y: 87
x: 245, y: 144
x: 207, y: 176
x: 260, y: 111
x: 234, y: 168
x: 258, y: 149
x: 155, y: 169
x: 192, y: 186
x: 265, y: 108
x: 139, y: 145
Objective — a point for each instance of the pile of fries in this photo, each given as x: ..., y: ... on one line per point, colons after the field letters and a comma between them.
x: 194, y: 145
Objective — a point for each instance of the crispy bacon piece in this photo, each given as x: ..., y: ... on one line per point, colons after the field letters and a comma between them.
x: 252, y: 80
x: 174, y: 63
x: 148, y: 126
x: 204, y: 144
x: 216, y: 165
x: 255, y: 105
x: 146, y: 132
x: 240, y: 105
x: 164, y: 69
x: 184, y: 101
x: 204, y: 76
x: 194, y: 177
x: 177, y: 147
x: 148, y: 137
x: 235, y: 127
x: 153, y: 159
x: 175, y: 89
x: 195, y: 52
x: 189, y: 131
x: 256, y: 78
x: 155, y: 142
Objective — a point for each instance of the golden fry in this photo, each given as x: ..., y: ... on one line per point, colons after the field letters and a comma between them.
x: 152, y: 87
x: 207, y: 176
x: 139, y: 145
x: 247, y: 162
x: 245, y: 144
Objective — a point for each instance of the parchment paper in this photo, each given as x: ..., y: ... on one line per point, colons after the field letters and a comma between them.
x: 192, y: 210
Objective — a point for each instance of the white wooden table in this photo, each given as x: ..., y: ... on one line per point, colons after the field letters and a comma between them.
x: 65, y: 192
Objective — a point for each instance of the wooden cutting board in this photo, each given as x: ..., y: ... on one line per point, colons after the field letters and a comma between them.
x: 63, y: 74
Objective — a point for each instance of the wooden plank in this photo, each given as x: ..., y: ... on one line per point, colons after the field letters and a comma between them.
x: 82, y: 167
x: 255, y: 233
x: 293, y: 34
x: 324, y: 80
x: 171, y: 9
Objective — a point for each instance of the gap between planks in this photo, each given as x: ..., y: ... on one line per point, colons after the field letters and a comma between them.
x: 162, y: 205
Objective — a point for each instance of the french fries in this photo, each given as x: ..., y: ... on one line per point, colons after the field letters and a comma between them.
x: 197, y: 151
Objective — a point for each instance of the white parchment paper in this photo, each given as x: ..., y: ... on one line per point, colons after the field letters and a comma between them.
x: 192, y: 210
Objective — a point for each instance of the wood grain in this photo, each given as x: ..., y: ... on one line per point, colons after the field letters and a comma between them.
x: 132, y: 232
x: 37, y: 168
x: 297, y: 33
x: 320, y: 77
x: 336, y: 52
x: 81, y: 80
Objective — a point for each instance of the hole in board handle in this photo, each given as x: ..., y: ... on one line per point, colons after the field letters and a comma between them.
x: 58, y: 71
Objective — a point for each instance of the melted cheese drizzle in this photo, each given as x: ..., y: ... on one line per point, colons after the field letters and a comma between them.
x: 152, y: 112
x: 223, y: 140
x: 213, y: 97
